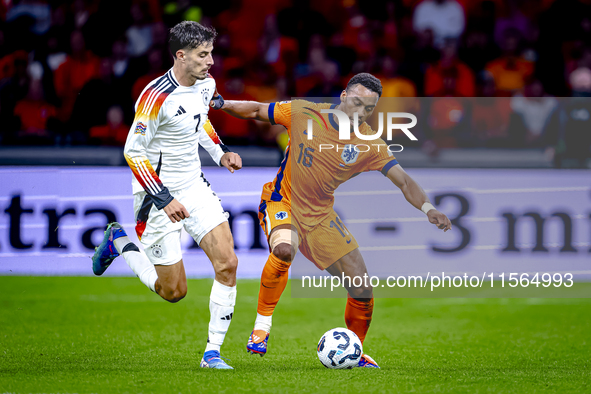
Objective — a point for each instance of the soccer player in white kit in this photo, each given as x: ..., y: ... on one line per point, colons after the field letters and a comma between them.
x: 169, y: 189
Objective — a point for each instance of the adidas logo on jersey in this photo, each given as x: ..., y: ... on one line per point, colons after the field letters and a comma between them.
x: 180, y: 111
x: 228, y: 317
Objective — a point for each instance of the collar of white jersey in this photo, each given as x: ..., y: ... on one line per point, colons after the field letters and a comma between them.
x: 170, y: 75
x: 173, y: 80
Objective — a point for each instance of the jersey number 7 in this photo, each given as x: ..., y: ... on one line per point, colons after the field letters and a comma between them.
x: 198, y: 117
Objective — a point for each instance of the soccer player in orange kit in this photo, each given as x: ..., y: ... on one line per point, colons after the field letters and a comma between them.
x: 306, y: 217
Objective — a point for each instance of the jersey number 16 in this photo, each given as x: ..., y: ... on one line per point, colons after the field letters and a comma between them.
x: 306, y: 153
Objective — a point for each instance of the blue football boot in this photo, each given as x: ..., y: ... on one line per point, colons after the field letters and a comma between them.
x: 212, y: 359
x: 367, y: 362
x: 257, y: 342
x: 105, y: 253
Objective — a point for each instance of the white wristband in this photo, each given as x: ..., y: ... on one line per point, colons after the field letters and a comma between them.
x: 427, y: 207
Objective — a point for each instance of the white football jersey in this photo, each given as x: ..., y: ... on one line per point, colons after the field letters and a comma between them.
x: 170, y: 123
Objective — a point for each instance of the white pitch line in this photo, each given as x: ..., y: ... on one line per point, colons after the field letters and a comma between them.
x: 530, y: 190
x: 394, y: 247
x: 349, y: 193
x: 476, y: 247
x: 472, y: 190
x: 239, y: 194
x: 423, y: 219
x: 130, y: 196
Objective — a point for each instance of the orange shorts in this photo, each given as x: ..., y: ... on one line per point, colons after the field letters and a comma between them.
x: 326, y: 243
x: 272, y: 214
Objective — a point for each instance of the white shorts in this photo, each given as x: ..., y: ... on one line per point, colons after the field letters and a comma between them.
x: 160, y: 237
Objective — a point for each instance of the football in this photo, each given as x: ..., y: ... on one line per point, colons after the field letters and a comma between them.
x: 339, y: 348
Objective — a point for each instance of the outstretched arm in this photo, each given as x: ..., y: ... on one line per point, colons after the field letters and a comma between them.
x: 416, y: 196
x: 247, y: 109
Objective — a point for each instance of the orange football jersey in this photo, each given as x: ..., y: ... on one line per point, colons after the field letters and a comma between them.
x: 314, y: 168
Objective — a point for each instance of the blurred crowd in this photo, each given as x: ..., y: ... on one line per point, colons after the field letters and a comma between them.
x: 70, y: 72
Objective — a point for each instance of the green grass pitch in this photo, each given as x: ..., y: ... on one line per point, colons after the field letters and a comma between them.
x: 110, y: 335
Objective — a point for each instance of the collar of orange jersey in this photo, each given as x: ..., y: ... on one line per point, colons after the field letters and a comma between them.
x: 331, y: 119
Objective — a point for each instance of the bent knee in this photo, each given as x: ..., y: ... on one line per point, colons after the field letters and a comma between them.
x: 174, y: 296
x: 284, y: 252
x: 361, y: 293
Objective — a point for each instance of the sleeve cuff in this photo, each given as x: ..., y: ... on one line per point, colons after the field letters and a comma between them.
x: 389, y: 165
x: 162, y: 199
x: 272, y: 113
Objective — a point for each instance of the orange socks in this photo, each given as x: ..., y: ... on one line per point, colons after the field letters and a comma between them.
x: 358, y: 315
x: 273, y: 282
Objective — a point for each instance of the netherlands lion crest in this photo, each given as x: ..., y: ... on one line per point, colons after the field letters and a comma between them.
x: 281, y: 215
x: 350, y: 154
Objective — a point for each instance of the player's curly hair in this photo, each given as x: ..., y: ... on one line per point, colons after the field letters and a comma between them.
x: 366, y: 80
x: 189, y: 35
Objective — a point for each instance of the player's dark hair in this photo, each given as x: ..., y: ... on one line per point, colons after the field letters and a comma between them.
x: 366, y: 80
x: 189, y: 35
